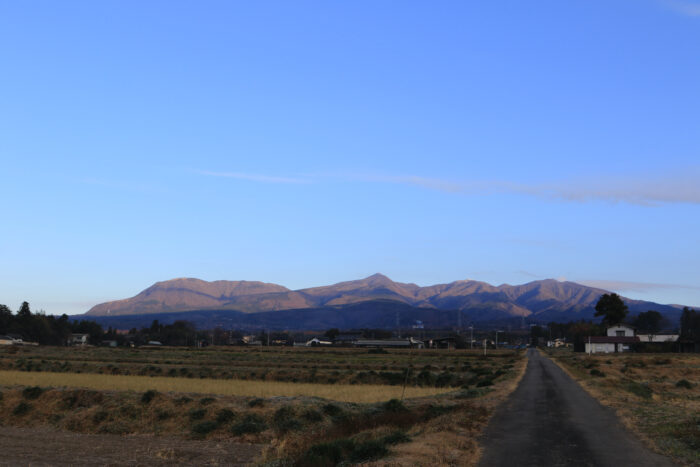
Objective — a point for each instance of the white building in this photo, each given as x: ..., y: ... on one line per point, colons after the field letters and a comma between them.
x: 656, y: 338
x: 618, y: 339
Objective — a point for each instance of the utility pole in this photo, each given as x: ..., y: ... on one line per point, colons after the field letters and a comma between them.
x: 471, y: 336
x: 459, y: 321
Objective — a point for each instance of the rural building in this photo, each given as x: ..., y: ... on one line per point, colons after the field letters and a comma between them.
x: 395, y: 343
x: 442, y: 343
x: 7, y: 340
x: 620, y: 330
x: 315, y: 342
x: 658, y: 338
x: 79, y: 339
x: 556, y: 343
x: 610, y: 344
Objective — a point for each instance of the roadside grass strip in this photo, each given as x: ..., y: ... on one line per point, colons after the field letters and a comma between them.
x: 339, y: 392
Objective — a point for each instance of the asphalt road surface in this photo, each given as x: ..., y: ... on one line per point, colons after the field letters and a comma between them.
x: 549, y: 420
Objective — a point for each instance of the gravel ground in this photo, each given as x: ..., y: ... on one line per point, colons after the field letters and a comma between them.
x: 45, y: 446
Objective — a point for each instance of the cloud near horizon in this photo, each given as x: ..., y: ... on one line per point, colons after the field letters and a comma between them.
x: 627, y: 286
x: 639, y: 190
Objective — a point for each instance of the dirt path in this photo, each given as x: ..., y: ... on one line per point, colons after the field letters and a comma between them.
x: 549, y: 420
x: 45, y: 446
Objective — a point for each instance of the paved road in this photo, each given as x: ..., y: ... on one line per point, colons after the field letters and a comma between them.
x: 549, y: 420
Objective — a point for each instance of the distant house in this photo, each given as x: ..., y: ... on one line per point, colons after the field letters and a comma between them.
x: 156, y: 343
x: 659, y: 337
x: 316, y: 342
x: 109, y: 343
x: 396, y: 343
x: 7, y: 340
x: 618, y: 339
x: 556, y: 343
x: 79, y: 339
x: 442, y: 343
x: 346, y: 338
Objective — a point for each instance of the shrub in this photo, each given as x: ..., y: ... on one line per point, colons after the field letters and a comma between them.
x: 148, y: 396
x: 183, y: 400
x: 21, y: 409
x: 197, y: 414
x: 484, y: 383
x: 638, y: 389
x: 163, y: 414
x: 252, y: 423
x: 100, y: 416
x: 597, y: 372
x: 684, y: 383
x: 203, y: 428
x: 257, y: 402
x: 437, y: 410
x: 332, y: 410
x: 32, y: 392
x: 394, y: 405
x: 471, y: 393
x: 224, y: 416
x: 284, y: 419
x: 81, y: 398
x: 312, y: 415
x: 206, y: 400
x: 329, y: 453
x: 396, y: 437
x: 367, y: 451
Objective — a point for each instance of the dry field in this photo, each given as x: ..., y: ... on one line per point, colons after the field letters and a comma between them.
x: 337, y: 392
x: 448, y: 400
x: 656, y: 395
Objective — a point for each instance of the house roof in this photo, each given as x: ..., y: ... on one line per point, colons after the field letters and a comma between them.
x: 613, y: 339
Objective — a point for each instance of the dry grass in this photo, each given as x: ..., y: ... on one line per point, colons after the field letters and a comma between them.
x: 643, y: 390
x: 452, y: 439
x: 263, y: 389
x: 435, y: 425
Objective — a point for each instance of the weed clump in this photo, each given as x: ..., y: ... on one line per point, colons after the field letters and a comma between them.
x: 597, y: 372
x: 257, y: 402
x: 197, y: 414
x: 224, y: 416
x: 685, y: 384
x: 394, y: 405
x: 250, y: 424
x: 312, y: 415
x: 284, y: 419
x: 21, y: 409
x: 638, y: 389
x: 206, y: 400
x: 148, y: 396
x: 100, y: 416
x: 332, y: 410
x: 204, y: 428
x: 32, y: 392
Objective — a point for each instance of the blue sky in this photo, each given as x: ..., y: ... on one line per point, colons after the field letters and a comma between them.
x: 305, y: 143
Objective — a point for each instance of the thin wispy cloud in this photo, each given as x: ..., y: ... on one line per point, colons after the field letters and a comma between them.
x: 643, y: 190
x: 627, y: 286
x: 686, y: 8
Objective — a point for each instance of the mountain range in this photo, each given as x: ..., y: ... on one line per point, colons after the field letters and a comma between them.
x: 369, y: 302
